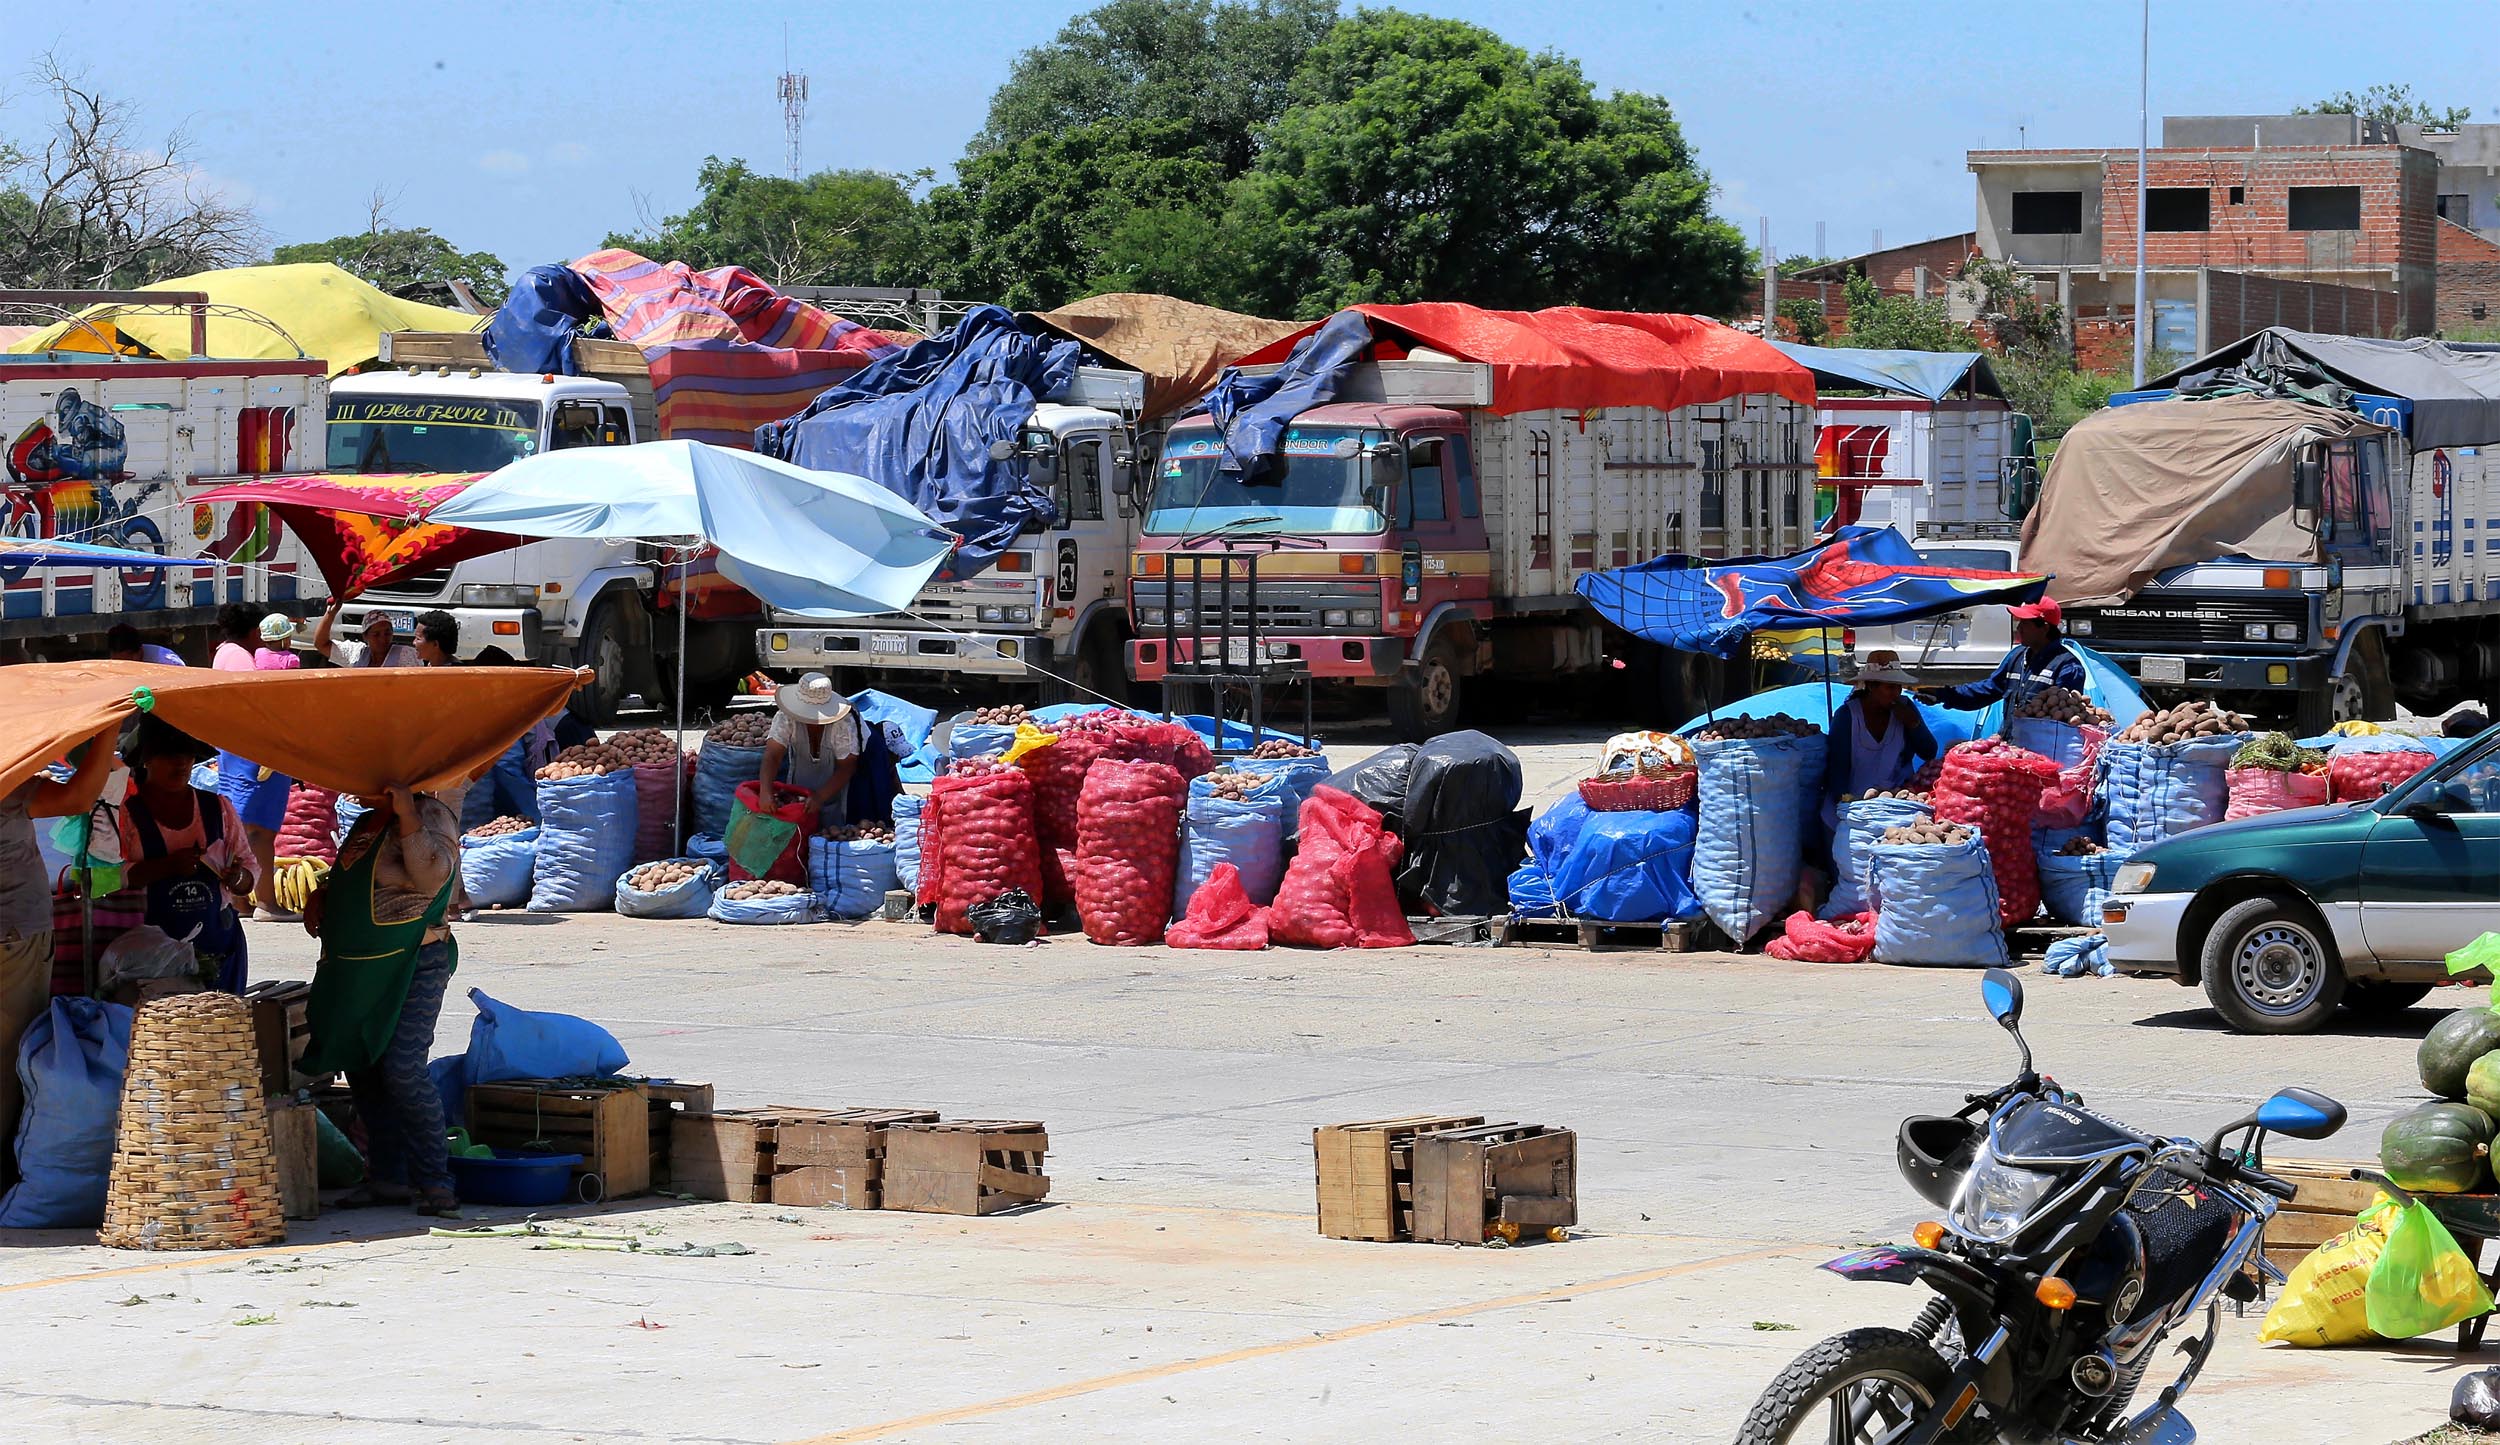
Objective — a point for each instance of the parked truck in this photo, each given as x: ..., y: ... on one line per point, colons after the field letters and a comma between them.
x: 112, y: 448
x: 1422, y: 532
x: 2225, y: 535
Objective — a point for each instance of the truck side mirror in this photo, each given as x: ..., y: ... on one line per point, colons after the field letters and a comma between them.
x: 2308, y: 487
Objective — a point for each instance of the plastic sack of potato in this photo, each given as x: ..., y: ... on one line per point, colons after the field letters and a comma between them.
x: 495, y: 870
x: 1756, y: 794
x: 585, y: 842
x: 718, y: 770
x: 1127, y: 849
x: 2326, y: 1301
x: 851, y: 877
x: 1935, y: 903
x: 1862, y: 826
x: 1248, y: 833
x: 2159, y: 790
x: 686, y: 897
x: 799, y: 907
x: 2423, y: 1281
x: 906, y: 815
x: 2063, y: 888
x: 2061, y: 743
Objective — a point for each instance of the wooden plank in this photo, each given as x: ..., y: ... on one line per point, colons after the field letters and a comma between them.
x: 827, y: 1186
x: 294, y: 1131
x: 857, y: 1138
x: 2325, y: 1184
x: 2307, y: 1230
x: 281, y: 1029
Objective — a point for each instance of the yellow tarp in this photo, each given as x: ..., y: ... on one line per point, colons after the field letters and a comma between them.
x: 331, y: 314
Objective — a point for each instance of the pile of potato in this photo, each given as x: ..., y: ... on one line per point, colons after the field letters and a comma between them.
x: 1770, y: 725
x: 1930, y: 832
x: 664, y: 875
x: 2080, y: 848
x: 977, y: 767
x: 645, y: 745
x: 1237, y: 786
x: 501, y: 827
x: 2184, y: 723
x: 746, y: 730
x: 1279, y: 748
x: 2064, y: 704
x: 1005, y: 716
x: 583, y: 760
x: 860, y: 833
x: 1905, y: 795
x: 762, y: 888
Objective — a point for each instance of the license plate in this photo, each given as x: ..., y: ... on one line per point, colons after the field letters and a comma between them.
x: 889, y: 643
x: 2163, y: 669
x: 403, y: 623
x: 1237, y: 652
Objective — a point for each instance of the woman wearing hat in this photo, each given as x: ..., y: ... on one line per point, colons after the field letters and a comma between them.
x: 814, y: 744
x: 1877, y: 739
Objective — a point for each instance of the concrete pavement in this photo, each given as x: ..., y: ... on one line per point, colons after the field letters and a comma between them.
x: 1736, y: 1118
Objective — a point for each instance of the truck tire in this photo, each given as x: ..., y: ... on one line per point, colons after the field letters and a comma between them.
x: 603, y: 650
x: 2270, y: 967
x: 1424, y: 701
x: 1097, y: 673
x: 2363, y: 692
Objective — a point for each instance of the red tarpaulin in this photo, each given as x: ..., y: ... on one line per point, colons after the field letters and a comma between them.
x: 364, y: 531
x: 1571, y: 357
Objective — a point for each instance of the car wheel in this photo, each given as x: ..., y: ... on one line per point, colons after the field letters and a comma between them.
x: 2377, y: 998
x: 2270, y: 968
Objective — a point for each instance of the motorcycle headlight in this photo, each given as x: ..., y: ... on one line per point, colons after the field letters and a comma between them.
x: 1996, y: 1198
x: 2132, y: 878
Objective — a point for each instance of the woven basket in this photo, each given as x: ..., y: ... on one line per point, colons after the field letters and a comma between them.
x: 1641, y: 795
x: 194, y: 1166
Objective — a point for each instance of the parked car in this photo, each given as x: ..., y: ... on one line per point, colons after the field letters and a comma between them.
x: 2287, y: 917
x: 1958, y: 647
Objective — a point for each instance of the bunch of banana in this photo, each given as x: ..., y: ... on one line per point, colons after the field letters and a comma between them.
x: 298, y: 879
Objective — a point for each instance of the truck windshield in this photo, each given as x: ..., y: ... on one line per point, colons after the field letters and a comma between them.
x: 1310, y: 490
x: 422, y: 434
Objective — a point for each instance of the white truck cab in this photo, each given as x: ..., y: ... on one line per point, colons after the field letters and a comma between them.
x: 1052, y: 609
x: 537, y: 602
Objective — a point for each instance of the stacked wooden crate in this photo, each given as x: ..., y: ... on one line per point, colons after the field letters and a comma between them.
x: 1446, y: 1178
x: 965, y: 1166
x: 281, y: 1028
x: 2329, y: 1198
x: 669, y: 1099
x: 837, y: 1160
x: 729, y: 1153
x: 1366, y: 1174
x: 608, y: 1123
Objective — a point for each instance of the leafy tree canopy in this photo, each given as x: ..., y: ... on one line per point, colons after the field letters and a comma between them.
x: 2392, y: 103
x: 1900, y: 323
x: 408, y: 261
x: 834, y: 228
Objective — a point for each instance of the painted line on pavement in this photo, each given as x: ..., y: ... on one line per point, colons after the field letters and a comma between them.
x: 1100, y: 1383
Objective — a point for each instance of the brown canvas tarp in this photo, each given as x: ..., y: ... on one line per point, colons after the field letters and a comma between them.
x: 2137, y: 489
x: 358, y: 730
x: 1181, y: 346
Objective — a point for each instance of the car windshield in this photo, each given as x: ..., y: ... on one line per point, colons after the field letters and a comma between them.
x: 1313, y: 490
x: 416, y: 434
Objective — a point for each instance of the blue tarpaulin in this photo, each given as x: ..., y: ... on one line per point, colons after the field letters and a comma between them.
x: 920, y: 424
x: 535, y: 327
x: 46, y: 552
x: 1863, y: 577
x: 1252, y: 411
x: 1929, y: 374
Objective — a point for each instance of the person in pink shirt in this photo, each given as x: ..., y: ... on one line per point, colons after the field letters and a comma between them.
x: 259, y: 794
x: 189, y: 850
x: 276, y: 652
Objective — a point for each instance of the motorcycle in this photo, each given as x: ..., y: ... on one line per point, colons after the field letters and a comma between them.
x: 2071, y: 1246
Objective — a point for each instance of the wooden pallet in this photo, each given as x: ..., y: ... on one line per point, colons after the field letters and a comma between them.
x: 280, y: 1031
x: 1366, y: 1176
x: 1679, y: 936
x: 2329, y: 1198
x: 1507, y: 1181
x: 295, y: 1135
x: 968, y: 1166
x: 608, y: 1124
x: 1461, y: 929
x: 729, y: 1153
x: 670, y: 1098
x: 837, y: 1160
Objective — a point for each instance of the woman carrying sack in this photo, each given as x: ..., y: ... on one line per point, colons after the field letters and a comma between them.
x: 386, y: 957
x: 185, y: 847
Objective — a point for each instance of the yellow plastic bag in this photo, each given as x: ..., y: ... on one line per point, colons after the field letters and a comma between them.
x: 1028, y: 738
x: 2326, y: 1301
x: 2356, y: 729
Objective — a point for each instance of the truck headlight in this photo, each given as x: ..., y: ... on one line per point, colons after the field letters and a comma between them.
x: 993, y: 614
x: 1019, y: 614
x: 2254, y: 632
x: 2132, y: 878
x: 1333, y: 617
x: 1367, y: 617
x: 2080, y: 627
x: 475, y: 595
x: 2287, y: 632
x: 1152, y: 616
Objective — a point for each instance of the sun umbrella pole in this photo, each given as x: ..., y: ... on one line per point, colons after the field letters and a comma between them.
x: 677, y: 825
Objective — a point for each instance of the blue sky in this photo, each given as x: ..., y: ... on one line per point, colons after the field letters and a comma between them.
x: 533, y: 139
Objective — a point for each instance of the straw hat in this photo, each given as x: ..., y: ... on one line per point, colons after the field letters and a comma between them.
x: 277, y: 628
x: 1884, y: 667
x: 812, y: 699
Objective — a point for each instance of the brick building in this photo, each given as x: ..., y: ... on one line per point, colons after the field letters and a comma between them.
x: 1920, y: 268
x: 2469, y: 280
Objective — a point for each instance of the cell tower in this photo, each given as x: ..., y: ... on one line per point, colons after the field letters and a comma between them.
x: 792, y: 88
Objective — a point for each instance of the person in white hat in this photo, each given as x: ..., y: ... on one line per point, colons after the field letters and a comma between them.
x: 1877, y: 739
x: 276, y: 652
x: 813, y: 744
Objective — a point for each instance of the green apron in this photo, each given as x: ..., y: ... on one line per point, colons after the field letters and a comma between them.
x: 366, y: 966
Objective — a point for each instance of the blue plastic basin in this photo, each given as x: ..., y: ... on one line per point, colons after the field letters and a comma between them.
x: 512, y: 1177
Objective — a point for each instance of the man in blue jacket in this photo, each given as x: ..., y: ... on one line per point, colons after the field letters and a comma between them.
x: 2039, y: 660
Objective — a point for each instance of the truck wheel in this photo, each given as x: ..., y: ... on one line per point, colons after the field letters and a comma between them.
x: 2270, y: 968
x: 1423, y: 703
x: 602, y: 649
x: 1098, y: 671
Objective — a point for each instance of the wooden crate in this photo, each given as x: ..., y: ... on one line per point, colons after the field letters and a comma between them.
x: 280, y: 1030
x: 828, y: 1186
x: 1366, y: 1185
x: 670, y: 1098
x: 838, y: 1158
x: 2329, y: 1198
x: 969, y: 1166
x: 295, y: 1133
x: 730, y: 1153
x: 608, y: 1124
x: 1517, y: 1180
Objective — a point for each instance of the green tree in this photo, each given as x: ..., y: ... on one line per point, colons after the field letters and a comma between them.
x: 834, y: 228
x: 2394, y: 104
x: 1427, y: 159
x: 1900, y: 323
x: 409, y: 261
x: 1806, y: 314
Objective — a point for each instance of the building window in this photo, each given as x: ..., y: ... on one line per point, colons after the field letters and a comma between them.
x: 2326, y: 208
x: 2239, y: 195
x: 2178, y: 208
x: 2456, y: 208
x: 2048, y: 213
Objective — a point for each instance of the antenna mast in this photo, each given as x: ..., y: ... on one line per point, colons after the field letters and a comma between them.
x: 792, y: 89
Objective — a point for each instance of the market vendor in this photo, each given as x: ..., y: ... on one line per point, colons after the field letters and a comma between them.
x: 185, y: 846
x: 386, y: 958
x: 26, y: 913
x: 376, y: 650
x: 259, y: 794
x: 1878, y: 740
x: 813, y: 744
x: 2039, y: 660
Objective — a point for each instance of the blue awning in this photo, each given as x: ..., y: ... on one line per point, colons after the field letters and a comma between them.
x: 1929, y: 374
x: 44, y: 553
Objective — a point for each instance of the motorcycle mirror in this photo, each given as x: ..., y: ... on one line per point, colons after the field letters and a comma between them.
x: 2002, y: 992
x: 2300, y: 1113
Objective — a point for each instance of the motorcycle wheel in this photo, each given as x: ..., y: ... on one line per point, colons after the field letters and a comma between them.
x: 1860, y: 1387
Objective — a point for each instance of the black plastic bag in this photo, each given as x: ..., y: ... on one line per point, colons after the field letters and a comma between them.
x: 1381, y: 781
x: 1012, y: 917
x: 1463, y: 826
x: 2476, y: 1400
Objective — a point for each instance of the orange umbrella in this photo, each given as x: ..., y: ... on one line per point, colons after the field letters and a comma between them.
x: 358, y: 730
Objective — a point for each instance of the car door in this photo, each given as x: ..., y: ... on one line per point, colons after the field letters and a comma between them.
x: 2429, y: 882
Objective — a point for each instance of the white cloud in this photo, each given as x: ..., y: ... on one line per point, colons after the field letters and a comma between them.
x: 504, y: 163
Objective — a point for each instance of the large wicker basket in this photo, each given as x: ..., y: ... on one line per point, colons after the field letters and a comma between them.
x: 194, y: 1166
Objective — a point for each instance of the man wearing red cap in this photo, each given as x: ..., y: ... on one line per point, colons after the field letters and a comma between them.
x: 2039, y: 660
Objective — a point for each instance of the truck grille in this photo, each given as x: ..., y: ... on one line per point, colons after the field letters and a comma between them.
x: 416, y: 586
x: 2198, y: 621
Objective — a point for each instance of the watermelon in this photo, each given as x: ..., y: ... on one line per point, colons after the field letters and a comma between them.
x: 2436, y: 1149
x: 2452, y: 1046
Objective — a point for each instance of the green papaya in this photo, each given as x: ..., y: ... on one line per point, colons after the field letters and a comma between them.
x: 2452, y: 1046
x: 2482, y: 1084
x: 2437, y: 1149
